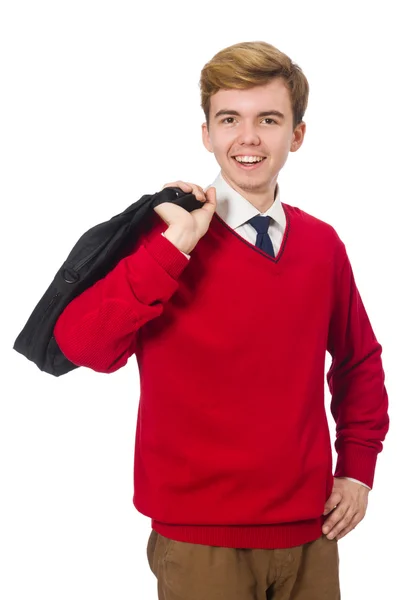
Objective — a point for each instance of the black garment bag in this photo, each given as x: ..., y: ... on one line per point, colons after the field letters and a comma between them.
x: 94, y: 255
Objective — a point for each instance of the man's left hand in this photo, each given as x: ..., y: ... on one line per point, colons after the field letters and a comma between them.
x: 348, y: 503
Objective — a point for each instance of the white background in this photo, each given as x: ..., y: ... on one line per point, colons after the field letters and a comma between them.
x: 100, y: 105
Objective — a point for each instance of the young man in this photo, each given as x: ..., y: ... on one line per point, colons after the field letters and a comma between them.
x: 230, y: 311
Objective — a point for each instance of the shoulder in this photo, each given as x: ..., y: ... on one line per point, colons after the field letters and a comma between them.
x: 319, y: 231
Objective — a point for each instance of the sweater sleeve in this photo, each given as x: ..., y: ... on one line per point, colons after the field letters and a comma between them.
x: 356, y: 380
x: 98, y: 328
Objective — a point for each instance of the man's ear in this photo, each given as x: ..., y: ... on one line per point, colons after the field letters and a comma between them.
x: 298, y: 137
x: 206, y: 137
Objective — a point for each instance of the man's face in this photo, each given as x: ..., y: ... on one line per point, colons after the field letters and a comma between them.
x: 237, y: 128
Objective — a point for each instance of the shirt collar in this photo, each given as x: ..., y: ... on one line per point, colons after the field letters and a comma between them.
x: 236, y: 210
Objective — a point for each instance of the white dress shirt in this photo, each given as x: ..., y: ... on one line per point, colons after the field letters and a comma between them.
x: 235, y: 210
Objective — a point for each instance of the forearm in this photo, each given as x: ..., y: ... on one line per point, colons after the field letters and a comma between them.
x: 357, y: 384
x: 98, y: 328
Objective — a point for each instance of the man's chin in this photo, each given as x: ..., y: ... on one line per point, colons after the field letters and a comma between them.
x: 240, y: 178
x: 253, y: 186
x: 247, y: 184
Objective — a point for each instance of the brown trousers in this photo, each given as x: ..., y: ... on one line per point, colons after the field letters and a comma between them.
x: 187, y: 571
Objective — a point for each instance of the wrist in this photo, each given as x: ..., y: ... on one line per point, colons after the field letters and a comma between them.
x: 180, y: 239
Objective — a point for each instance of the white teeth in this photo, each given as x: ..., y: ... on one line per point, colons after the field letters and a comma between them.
x: 248, y: 159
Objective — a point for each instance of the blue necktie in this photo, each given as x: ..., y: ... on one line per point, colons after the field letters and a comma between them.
x: 263, y: 241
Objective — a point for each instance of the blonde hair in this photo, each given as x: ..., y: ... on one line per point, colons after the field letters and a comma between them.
x: 248, y: 64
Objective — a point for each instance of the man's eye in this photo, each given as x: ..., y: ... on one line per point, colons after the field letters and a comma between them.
x: 228, y: 119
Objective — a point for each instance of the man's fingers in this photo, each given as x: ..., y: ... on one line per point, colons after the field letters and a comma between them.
x: 336, y: 516
x: 199, y: 193
x: 351, y: 499
x: 208, y: 198
x: 332, y: 502
x: 187, y: 187
x: 211, y: 195
x: 335, y: 525
x: 210, y: 205
x: 352, y: 525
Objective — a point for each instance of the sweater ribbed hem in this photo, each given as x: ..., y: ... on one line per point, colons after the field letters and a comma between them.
x: 250, y: 536
x: 357, y: 462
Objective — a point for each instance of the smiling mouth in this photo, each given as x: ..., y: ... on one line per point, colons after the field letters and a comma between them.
x: 249, y: 166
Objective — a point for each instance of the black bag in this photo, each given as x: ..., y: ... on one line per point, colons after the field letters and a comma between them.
x: 94, y: 255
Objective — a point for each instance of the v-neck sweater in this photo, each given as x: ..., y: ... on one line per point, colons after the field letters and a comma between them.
x: 232, y: 443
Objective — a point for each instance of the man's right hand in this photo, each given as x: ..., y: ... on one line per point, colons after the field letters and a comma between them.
x: 185, y: 228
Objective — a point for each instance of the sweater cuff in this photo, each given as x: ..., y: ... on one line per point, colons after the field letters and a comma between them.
x: 357, y: 462
x: 168, y: 256
x: 184, y: 253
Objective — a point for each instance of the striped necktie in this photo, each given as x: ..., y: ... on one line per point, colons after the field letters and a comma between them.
x: 263, y: 241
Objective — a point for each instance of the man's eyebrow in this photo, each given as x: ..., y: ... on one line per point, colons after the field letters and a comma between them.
x: 265, y: 113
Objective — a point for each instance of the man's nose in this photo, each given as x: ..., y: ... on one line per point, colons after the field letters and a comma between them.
x: 248, y: 134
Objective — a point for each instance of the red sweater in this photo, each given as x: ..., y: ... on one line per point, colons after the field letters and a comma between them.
x: 232, y: 443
